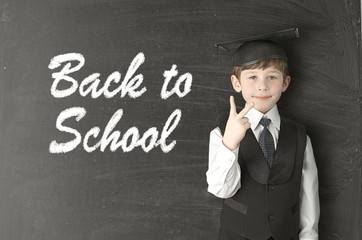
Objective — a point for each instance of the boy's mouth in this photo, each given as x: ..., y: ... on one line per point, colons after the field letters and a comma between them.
x: 262, y: 97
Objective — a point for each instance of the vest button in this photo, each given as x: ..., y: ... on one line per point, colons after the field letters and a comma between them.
x: 272, y: 218
x: 271, y: 187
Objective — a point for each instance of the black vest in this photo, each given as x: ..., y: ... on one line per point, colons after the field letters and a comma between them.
x: 268, y: 202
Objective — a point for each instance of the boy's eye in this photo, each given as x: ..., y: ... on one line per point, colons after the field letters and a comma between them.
x: 252, y: 77
x: 272, y: 77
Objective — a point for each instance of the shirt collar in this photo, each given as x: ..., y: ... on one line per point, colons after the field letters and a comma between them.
x: 255, y: 116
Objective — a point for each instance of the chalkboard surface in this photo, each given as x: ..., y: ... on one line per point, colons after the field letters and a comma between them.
x: 106, y: 108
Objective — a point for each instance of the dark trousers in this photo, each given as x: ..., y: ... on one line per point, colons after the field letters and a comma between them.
x: 225, y: 234
x: 243, y: 238
x: 229, y: 235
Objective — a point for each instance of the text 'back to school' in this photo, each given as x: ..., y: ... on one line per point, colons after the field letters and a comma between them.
x: 65, y: 85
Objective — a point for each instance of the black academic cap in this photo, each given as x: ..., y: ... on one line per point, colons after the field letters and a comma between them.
x: 259, y: 48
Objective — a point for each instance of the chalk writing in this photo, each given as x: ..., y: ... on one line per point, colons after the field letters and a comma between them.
x: 187, y: 78
x: 91, y: 83
x: 131, y: 85
x: 110, y: 137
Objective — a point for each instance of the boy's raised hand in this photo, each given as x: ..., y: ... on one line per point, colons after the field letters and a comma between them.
x: 236, y: 126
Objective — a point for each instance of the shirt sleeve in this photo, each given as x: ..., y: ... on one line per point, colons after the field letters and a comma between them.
x: 223, y: 175
x: 309, y: 212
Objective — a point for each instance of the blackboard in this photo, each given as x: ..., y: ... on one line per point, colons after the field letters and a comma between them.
x: 161, y: 193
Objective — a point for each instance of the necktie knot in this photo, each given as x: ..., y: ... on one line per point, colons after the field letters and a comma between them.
x: 265, y: 122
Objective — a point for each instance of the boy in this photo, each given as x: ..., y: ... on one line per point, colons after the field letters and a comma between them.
x: 260, y: 163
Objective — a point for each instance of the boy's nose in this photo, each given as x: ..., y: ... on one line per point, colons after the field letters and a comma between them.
x: 262, y: 85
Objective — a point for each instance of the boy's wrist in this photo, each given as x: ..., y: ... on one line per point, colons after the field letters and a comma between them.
x: 229, y: 145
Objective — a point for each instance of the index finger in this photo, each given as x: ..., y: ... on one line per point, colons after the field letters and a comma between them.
x: 246, y: 109
x: 232, y: 106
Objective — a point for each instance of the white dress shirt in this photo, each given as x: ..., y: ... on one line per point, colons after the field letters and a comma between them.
x: 223, y: 175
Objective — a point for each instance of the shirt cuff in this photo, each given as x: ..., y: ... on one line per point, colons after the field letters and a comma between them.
x: 226, y: 156
x: 308, y: 238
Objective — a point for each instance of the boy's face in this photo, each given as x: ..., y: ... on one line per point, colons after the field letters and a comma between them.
x: 261, y: 86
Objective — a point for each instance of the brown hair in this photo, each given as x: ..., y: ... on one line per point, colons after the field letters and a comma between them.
x: 279, y: 64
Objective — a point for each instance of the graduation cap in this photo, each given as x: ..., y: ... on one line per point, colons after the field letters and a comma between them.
x: 255, y: 49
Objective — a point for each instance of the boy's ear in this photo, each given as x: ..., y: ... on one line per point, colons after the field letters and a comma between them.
x: 286, y: 83
x: 236, y: 83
